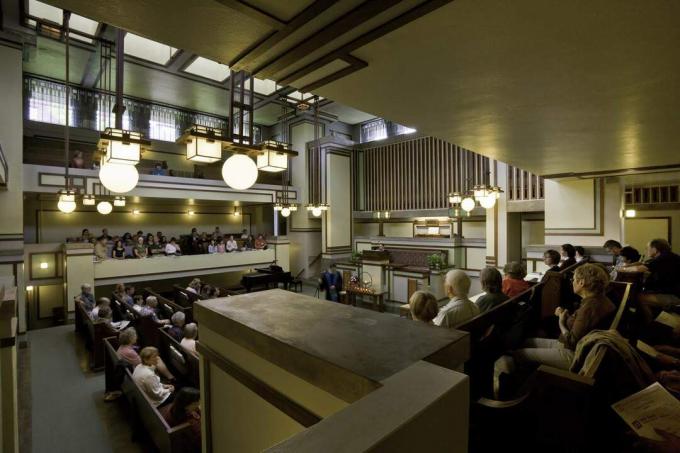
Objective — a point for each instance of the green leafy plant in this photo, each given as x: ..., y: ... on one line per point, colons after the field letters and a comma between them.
x: 435, y: 261
x: 356, y: 256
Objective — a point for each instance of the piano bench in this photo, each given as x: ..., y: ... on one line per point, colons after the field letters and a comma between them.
x: 296, y: 285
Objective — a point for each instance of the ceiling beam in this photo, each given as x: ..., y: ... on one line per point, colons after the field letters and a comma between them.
x: 245, y: 61
x: 254, y: 13
x: 92, y: 69
x: 326, y: 35
x: 388, y: 27
x: 274, y: 97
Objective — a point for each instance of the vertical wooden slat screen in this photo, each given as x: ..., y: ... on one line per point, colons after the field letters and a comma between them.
x: 418, y: 174
x: 523, y: 185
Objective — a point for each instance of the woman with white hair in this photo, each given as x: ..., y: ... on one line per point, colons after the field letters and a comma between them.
x: 460, y: 309
x: 190, y: 334
x: 177, y: 319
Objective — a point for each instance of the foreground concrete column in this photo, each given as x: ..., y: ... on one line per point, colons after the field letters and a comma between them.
x: 9, y: 416
x: 497, y: 224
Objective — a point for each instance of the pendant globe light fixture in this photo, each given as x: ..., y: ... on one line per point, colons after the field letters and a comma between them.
x: 315, y: 206
x: 104, y: 207
x: 239, y: 172
x: 468, y: 204
x: 67, y: 201
x: 118, y: 178
x: 67, y: 196
x: 88, y: 200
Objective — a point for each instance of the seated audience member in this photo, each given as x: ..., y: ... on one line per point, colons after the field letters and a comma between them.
x: 177, y: 320
x: 212, y: 246
x: 129, y: 296
x: 662, y: 285
x: 629, y: 256
x: 331, y: 282
x: 514, y: 283
x: 140, y: 250
x: 217, y: 233
x: 232, y: 245
x: 614, y: 247
x: 77, y: 161
x: 209, y: 292
x: 159, y: 237
x: 568, y: 253
x: 106, y: 316
x: 105, y: 234
x: 590, y: 283
x: 157, y: 169
x: 86, y: 297
x: 250, y: 243
x: 580, y: 253
x: 194, y: 286
x: 185, y: 409
x: 151, y: 245
x: 127, y: 339
x: 139, y: 302
x: 118, y: 251
x: 551, y: 258
x: 492, y: 285
x: 423, y: 306
x: 244, y: 234
x: 101, y: 302
x: 163, y: 241
x: 127, y: 239
x: 460, y: 309
x: 85, y: 236
x: 221, y: 246
x: 190, y: 334
x: 119, y: 291
x: 100, y: 249
x: 260, y: 242
x: 145, y: 376
x: 150, y: 308
x: 171, y: 248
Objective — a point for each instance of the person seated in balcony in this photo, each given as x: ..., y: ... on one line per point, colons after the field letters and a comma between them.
x: 661, y: 288
x: 423, y: 306
x: 159, y: 237
x: 185, y: 409
x: 85, y: 235
x: 459, y: 309
x: 86, y: 297
x: 221, y: 246
x: 78, y: 160
x: 492, y: 285
x: 513, y: 282
x: 590, y: 282
x: 249, y: 244
x: 152, y: 246
x: 101, y: 251
x: 630, y: 256
x: 244, y: 234
x: 189, y: 340
x: 163, y: 241
x: 614, y: 247
x: 118, y: 250
x: 568, y: 253
x: 105, y: 234
x: 127, y: 239
x: 140, y: 250
x: 145, y: 376
x: 158, y: 170
x: 232, y: 245
x: 260, y: 242
x: 171, y: 248
x: 580, y: 253
x: 217, y: 233
x: 177, y: 320
x: 101, y: 302
x: 331, y: 281
x: 212, y: 246
x: 194, y: 286
x: 551, y: 258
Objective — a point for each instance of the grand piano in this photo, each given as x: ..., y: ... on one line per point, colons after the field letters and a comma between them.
x: 266, y: 278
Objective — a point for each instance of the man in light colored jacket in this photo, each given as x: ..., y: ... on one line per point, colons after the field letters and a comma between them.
x: 145, y: 376
x: 459, y: 309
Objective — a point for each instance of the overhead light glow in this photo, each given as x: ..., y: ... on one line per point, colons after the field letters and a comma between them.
x: 44, y: 265
x: 119, y: 202
x: 118, y: 178
x: 88, y: 200
x: 135, y: 212
x: 104, y: 207
x: 468, y: 204
x: 209, y: 69
x: 630, y: 213
x: 147, y: 49
x: 67, y: 201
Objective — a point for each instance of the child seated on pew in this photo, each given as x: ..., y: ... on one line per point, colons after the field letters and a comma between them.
x: 514, y: 283
x: 189, y: 340
x: 185, y: 409
x: 127, y: 350
x: 146, y: 378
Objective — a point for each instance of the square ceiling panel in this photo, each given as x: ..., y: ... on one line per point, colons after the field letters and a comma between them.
x: 265, y: 87
x: 209, y: 69
x: 44, y: 11
x: 148, y: 50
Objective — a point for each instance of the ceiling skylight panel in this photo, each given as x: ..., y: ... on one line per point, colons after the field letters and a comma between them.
x: 209, y: 69
x: 44, y: 11
x: 147, y: 49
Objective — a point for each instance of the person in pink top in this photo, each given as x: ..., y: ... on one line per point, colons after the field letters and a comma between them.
x: 127, y: 351
x: 221, y: 247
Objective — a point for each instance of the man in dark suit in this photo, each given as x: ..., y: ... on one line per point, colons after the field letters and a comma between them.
x: 331, y: 281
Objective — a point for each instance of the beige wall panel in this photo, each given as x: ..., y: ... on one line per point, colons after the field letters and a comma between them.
x: 640, y: 231
x: 474, y: 230
x: 398, y: 230
x: 673, y: 214
x: 339, y: 215
x: 476, y: 258
x: 565, y: 199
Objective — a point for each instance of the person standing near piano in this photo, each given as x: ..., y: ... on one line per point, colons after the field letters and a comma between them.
x: 331, y: 281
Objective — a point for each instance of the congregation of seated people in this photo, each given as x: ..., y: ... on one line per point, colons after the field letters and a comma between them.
x: 141, y: 245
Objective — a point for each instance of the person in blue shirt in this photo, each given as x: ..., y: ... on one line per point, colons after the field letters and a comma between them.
x: 158, y: 170
x: 86, y: 297
x: 331, y: 281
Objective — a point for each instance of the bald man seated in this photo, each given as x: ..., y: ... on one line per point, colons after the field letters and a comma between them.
x: 459, y: 309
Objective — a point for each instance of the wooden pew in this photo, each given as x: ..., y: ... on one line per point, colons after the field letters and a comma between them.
x: 95, y: 332
x: 182, y: 363
x: 169, y: 307
x: 167, y: 439
x: 557, y: 290
x: 183, y: 297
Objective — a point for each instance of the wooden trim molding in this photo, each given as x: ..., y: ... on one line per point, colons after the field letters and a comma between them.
x: 277, y: 399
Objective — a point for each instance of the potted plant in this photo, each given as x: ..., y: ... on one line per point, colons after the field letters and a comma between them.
x: 435, y: 261
x: 356, y: 257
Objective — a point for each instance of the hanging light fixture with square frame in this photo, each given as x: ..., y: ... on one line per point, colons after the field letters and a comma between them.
x: 121, y: 147
x: 204, y: 144
x: 273, y: 156
x: 89, y: 200
x: 119, y: 201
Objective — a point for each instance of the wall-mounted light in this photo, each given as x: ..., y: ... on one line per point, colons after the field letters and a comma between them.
x: 190, y: 212
x: 29, y: 288
x: 44, y: 265
x: 135, y: 212
x: 237, y: 211
x: 119, y: 201
x: 630, y: 213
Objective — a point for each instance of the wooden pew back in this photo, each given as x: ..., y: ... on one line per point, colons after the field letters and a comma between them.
x: 183, y: 362
x: 183, y: 297
x: 169, y: 307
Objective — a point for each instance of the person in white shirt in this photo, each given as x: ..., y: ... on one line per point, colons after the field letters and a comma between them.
x: 194, y: 286
x: 244, y: 235
x: 189, y: 340
x: 171, y: 248
x: 232, y: 245
x: 145, y: 376
x: 101, y: 302
x: 460, y: 309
